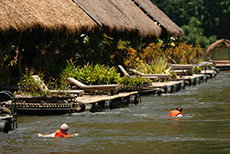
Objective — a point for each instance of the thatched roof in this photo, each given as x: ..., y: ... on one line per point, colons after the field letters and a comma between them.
x: 121, y: 15
x: 153, y: 11
x: 217, y: 43
x: 47, y: 14
x: 143, y: 23
x: 78, y: 15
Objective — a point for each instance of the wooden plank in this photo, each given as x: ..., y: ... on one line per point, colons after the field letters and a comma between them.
x: 6, y: 117
x: 190, y: 76
x: 162, y: 84
x: 86, y: 99
x: 208, y: 71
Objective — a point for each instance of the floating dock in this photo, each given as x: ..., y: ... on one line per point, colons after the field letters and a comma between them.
x: 37, y: 105
x: 61, y: 104
x: 8, y: 114
x: 179, y: 83
x: 100, y: 102
x: 222, y: 64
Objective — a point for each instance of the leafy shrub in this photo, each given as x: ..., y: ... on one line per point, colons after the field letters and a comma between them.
x: 133, y: 82
x: 159, y: 66
x: 90, y: 74
x: 27, y: 85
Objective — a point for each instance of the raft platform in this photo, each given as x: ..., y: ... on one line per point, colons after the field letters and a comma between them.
x: 193, y: 79
x: 222, y: 64
x: 95, y: 103
x: 210, y: 73
x: 176, y: 85
x: 40, y: 105
x: 8, y: 112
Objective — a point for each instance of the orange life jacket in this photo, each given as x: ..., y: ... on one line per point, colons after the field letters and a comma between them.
x: 174, y: 113
x: 58, y: 133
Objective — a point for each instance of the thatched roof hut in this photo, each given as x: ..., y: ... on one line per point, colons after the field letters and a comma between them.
x: 119, y: 15
x: 77, y: 15
x: 218, y: 43
x: 154, y: 12
x: 48, y: 14
x: 143, y: 23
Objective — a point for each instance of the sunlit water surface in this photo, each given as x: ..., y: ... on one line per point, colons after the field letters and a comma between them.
x: 142, y: 128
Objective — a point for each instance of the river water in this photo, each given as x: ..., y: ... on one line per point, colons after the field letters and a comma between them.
x: 143, y: 128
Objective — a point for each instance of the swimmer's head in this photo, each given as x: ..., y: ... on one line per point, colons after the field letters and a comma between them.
x: 64, y: 127
x: 179, y: 108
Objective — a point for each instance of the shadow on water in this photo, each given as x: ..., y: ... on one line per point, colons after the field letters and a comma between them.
x: 142, y: 128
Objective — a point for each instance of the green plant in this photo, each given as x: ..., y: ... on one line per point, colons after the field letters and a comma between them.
x: 7, y: 59
x: 159, y: 66
x: 196, y: 70
x: 133, y: 82
x: 90, y: 74
x: 27, y: 85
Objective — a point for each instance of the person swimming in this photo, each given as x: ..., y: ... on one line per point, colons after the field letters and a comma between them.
x: 177, y: 112
x: 62, y: 132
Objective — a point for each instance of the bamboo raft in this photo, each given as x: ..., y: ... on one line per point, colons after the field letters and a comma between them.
x: 38, y: 105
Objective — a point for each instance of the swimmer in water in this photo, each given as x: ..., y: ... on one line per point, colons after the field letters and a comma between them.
x: 177, y: 112
x: 62, y: 132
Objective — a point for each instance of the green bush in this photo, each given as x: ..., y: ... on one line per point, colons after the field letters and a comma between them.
x: 133, y: 82
x: 27, y: 86
x: 90, y: 74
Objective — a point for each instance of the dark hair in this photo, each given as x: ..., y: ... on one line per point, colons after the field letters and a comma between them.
x: 179, y: 108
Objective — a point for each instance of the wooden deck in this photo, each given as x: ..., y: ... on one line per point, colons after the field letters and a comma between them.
x: 88, y: 99
x: 222, y: 64
x: 210, y: 73
x: 193, y: 79
x: 6, y: 117
x: 38, y: 105
x: 167, y: 87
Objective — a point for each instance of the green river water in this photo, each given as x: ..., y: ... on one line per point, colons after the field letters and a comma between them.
x: 144, y: 128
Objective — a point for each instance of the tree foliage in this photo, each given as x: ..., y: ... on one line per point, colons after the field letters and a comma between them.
x: 210, y: 18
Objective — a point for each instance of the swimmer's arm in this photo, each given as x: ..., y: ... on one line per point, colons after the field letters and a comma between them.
x: 49, y: 135
x: 74, y: 135
x: 179, y: 115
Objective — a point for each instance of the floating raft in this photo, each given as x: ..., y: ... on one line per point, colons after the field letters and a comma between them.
x: 210, y: 73
x: 7, y: 122
x: 193, y: 79
x: 87, y: 99
x: 163, y: 87
x: 176, y: 85
x: 101, y: 102
x: 39, y: 105
x: 222, y: 64
x: 8, y: 117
